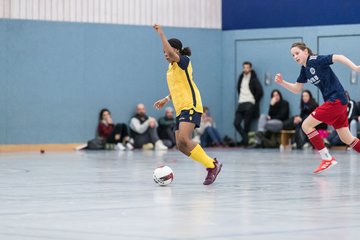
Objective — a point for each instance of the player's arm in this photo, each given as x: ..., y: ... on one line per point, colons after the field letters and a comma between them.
x: 161, y: 102
x: 173, y: 57
x: 292, y: 87
x: 344, y: 60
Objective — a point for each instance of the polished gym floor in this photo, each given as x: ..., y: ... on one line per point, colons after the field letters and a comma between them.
x: 100, y: 195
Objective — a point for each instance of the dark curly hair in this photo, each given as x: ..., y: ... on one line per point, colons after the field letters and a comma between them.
x: 102, y: 112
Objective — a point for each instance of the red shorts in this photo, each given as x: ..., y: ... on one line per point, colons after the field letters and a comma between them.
x: 332, y: 113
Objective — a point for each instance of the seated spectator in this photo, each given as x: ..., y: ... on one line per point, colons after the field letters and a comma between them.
x: 207, y: 132
x: 166, y: 129
x: 353, y: 117
x: 273, y: 121
x: 307, y: 105
x: 144, y: 130
x: 116, y: 134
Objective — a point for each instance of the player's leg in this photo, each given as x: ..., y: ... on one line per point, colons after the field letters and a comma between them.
x: 353, y: 127
x: 190, y: 148
x: 308, y: 127
x: 186, y: 145
x: 347, y: 138
x: 184, y: 140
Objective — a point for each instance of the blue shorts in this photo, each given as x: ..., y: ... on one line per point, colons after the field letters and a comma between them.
x: 188, y: 116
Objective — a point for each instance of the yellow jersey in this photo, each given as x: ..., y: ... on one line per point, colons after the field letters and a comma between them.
x: 184, y: 93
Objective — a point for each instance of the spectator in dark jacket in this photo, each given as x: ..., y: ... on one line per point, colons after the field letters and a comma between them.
x: 166, y: 128
x: 250, y: 92
x: 274, y: 120
x: 144, y: 130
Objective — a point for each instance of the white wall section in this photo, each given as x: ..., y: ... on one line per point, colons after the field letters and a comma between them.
x: 172, y: 13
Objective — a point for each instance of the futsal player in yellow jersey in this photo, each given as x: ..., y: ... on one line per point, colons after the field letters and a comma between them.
x: 187, y: 103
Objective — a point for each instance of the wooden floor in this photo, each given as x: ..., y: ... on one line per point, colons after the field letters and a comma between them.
x: 260, y: 194
x: 37, y: 147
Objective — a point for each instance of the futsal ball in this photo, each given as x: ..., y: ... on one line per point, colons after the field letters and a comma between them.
x: 163, y: 175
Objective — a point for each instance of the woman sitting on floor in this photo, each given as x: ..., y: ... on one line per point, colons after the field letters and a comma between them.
x: 116, y: 134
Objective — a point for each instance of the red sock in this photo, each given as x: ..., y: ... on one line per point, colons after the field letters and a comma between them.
x: 355, y: 145
x: 316, y: 140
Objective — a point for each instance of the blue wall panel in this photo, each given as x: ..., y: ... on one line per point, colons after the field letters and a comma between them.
x: 345, y: 45
x: 264, y: 63
x: 3, y: 84
x: 44, y: 74
x: 55, y: 77
x: 269, y: 50
x: 250, y: 14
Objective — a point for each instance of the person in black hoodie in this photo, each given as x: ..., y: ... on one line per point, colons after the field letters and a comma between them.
x: 250, y: 92
x: 274, y: 120
x: 307, y: 106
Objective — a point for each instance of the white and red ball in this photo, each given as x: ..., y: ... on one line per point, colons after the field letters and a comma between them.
x: 163, y: 175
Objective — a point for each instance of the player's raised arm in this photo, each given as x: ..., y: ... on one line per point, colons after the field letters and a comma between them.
x: 344, y: 60
x: 292, y: 87
x: 170, y: 54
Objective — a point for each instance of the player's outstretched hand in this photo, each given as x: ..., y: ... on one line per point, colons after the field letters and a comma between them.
x: 158, y: 28
x: 278, y: 78
x: 160, y: 103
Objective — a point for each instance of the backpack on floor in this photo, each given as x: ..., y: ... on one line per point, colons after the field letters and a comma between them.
x: 96, y: 144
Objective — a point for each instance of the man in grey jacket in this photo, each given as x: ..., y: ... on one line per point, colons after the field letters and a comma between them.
x: 144, y: 130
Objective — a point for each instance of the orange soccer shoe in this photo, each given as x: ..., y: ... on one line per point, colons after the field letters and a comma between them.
x: 325, y: 164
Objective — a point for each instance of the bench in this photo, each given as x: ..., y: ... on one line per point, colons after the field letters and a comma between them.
x: 285, y: 138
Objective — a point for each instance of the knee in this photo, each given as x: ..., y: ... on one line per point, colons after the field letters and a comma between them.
x: 264, y: 115
x: 305, y: 127
x: 347, y: 139
x: 182, y: 144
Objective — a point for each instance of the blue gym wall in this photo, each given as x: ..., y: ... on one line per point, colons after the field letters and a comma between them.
x: 269, y: 51
x: 55, y: 77
x: 262, y: 32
